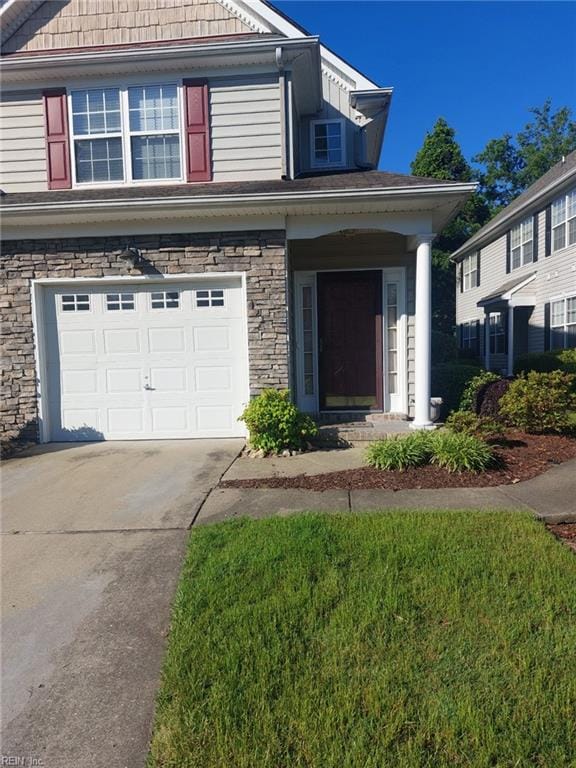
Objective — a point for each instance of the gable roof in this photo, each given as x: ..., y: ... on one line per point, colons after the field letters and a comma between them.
x: 25, y: 18
x: 537, y: 194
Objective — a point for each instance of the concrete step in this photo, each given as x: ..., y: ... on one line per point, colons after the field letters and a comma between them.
x: 358, y: 431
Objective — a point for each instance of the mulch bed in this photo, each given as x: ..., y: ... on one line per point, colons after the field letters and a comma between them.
x: 520, y: 457
x: 566, y: 532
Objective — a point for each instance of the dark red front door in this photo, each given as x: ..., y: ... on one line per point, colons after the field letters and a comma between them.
x: 350, y: 340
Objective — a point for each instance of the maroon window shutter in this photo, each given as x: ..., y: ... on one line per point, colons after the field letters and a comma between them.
x: 57, y: 146
x: 198, y: 160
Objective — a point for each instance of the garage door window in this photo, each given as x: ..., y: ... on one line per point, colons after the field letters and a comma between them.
x: 210, y: 298
x: 76, y: 302
x: 165, y: 300
x: 119, y: 301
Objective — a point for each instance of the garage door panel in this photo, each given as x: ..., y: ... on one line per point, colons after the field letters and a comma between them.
x: 126, y: 369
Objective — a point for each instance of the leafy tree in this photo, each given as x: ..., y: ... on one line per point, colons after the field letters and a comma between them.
x: 440, y: 157
x: 512, y: 164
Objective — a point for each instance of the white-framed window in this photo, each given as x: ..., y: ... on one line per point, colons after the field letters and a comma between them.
x: 165, y: 299
x: 470, y: 271
x: 126, y: 134
x: 327, y: 143
x: 497, y: 333
x: 307, y: 300
x: 210, y: 297
x: 564, y: 221
x: 392, y: 316
x: 469, y: 335
x: 75, y: 302
x: 563, y: 323
x: 522, y: 243
x: 119, y: 301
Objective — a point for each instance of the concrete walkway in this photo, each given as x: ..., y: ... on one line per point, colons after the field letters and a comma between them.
x: 551, y: 496
x: 92, y: 545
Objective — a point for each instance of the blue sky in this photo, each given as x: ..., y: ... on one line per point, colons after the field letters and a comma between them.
x: 481, y: 65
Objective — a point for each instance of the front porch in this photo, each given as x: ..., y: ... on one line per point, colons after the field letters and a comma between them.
x: 360, y: 327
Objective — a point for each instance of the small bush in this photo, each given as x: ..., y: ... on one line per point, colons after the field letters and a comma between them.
x: 449, y: 381
x: 459, y: 452
x: 469, y: 399
x: 468, y: 423
x: 275, y: 423
x: 489, y: 398
x: 400, y: 452
x: 539, y: 402
x: 544, y: 362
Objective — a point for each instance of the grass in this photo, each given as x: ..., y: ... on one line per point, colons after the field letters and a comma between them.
x: 396, y: 640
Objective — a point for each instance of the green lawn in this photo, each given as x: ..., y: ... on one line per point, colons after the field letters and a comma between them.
x: 405, y: 639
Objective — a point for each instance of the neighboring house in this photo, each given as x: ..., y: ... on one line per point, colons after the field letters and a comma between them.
x: 191, y: 214
x: 516, y: 277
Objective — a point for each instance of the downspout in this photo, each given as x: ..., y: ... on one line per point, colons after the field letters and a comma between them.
x: 285, y: 82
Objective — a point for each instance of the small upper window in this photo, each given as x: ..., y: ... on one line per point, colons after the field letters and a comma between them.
x: 76, y: 302
x: 470, y: 276
x: 522, y: 243
x: 327, y: 143
x: 165, y: 299
x: 213, y: 297
x: 118, y: 301
x: 564, y: 221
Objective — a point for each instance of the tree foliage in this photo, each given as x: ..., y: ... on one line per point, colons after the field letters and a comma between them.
x: 511, y: 164
x: 440, y: 157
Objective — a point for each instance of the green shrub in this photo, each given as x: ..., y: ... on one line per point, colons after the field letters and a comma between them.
x: 400, y: 451
x: 444, y: 347
x: 275, y: 423
x: 459, y: 452
x: 449, y: 381
x: 468, y: 423
x: 539, y: 402
x: 469, y: 399
x: 544, y: 362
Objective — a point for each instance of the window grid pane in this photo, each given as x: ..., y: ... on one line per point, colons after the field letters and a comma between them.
x: 96, y: 111
x: 99, y: 160
x: 328, y: 143
x: 156, y: 157
x: 165, y: 299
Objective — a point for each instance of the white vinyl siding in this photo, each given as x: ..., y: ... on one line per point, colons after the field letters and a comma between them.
x: 522, y: 243
x: 246, y: 131
x: 564, y: 221
x: 22, y: 142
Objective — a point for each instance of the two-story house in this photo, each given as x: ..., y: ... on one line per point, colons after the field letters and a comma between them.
x: 191, y: 213
x: 516, y: 277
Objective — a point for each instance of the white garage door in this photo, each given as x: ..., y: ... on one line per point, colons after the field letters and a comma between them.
x: 132, y: 361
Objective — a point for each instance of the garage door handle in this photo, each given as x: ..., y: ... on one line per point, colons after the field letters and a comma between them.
x: 148, y: 387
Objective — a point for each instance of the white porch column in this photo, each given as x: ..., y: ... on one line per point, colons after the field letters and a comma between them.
x: 423, y: 345
x: 510, y: 370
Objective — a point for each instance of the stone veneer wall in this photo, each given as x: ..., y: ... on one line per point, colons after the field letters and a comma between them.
x: 262, y: 255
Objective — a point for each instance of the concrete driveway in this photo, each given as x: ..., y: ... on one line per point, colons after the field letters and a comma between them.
x: 93, y: 537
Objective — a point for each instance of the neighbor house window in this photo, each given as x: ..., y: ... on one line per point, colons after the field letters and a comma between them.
x: 469, y: 335
x: 126, y: 134
x: 497, y: 333
x: 564, y: 221
x: 522, y: 243
x: 470, y: 272
x: 563, y: 324
x: 327, y: 140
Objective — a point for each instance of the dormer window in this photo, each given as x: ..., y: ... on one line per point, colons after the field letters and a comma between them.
x: 327, y: 143
x: 564, y: 221
x: 126, y: 134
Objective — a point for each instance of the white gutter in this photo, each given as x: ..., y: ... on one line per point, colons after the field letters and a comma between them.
x: 269, y: 198
x: 492, y: 227
x: 15, y: 63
